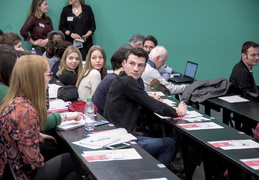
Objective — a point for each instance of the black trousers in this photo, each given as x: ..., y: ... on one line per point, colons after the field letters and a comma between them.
x: 60, y: 167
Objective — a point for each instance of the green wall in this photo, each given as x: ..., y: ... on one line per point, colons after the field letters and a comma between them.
x: 209, y: 32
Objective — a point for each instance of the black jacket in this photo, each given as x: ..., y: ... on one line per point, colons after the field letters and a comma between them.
x: 124, y: 99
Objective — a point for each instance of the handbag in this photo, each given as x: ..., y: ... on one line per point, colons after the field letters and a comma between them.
x: 68, y: 93
x: 80, y: 107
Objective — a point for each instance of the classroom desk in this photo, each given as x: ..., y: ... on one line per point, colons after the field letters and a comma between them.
x: 196, y: 149
x: 246, y: 113
x: 116, y: 170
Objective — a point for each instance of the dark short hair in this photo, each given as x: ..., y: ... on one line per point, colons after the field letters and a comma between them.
x: 150, y: 38
x: 118, y: 57
x: 139, y: 52
x: 8, y: 57
x: 247, y: 45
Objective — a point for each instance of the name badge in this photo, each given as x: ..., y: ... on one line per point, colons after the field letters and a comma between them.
x: 70, y: 18
x: 41, y: 25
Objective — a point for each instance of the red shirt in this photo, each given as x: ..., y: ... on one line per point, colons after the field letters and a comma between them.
x: 38, y: 28
x: 19, y: 138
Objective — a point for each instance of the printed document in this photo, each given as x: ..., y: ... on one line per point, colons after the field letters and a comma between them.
x: 111, y: 155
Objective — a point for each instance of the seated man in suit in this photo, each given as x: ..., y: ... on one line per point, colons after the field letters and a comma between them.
x: 126, y: 98
x: 242, y: 76
x: 157, y: 58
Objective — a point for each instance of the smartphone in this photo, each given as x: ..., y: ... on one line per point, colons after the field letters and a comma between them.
x: 118, y: 146
x: 99, y: 123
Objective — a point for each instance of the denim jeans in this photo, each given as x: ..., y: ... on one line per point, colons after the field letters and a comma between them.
x: 162, y: 149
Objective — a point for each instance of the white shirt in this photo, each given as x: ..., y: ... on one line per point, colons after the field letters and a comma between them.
x: 151, y: 73
x: 89, y: 84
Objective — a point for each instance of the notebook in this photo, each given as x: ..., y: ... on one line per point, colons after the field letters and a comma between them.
x: 189, y: 73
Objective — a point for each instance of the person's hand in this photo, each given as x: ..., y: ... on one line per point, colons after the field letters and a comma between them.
x: 181, y: 109
x: 75, y: 116
x: 155, y: 96
x: 47, y: 139
x: 76, y: 36
x: 36, y: 43
x: 43, y: 42
x: 85, y: 37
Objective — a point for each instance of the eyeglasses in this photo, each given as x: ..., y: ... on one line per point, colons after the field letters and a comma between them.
x: 148, y: 47
x: 50, y: 74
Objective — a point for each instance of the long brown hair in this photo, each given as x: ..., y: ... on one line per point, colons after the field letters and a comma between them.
x: 34, y: 9
x: 28, y: 80
x: 88, y: 65
x: 63, y: 65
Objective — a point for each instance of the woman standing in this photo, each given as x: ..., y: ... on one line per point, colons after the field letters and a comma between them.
x: 38, y: 25
x: 23, y: 115
x: 70, y: 66
x: 77, y: 22
x: 93, y: 72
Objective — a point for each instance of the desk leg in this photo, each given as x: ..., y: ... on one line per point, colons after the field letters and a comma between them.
x: 226, y: 117
x: 192, y: 156
x: 207, y: 110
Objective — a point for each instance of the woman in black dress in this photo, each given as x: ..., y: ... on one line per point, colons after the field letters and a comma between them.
x: 77, y: 22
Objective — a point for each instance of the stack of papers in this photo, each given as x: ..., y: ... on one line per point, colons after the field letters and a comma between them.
x: 233, y: 99
x: 68, y: 125
x: 108, y: 155
x: 58, y: 105
x: 235, y: 144
x: 192, y: 116
x: 101, y: 139
x: 53, y: 90
x: 199, y: 126
x: 253, y: 163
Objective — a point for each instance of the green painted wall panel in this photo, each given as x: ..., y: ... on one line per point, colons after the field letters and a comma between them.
x: 209, y: 32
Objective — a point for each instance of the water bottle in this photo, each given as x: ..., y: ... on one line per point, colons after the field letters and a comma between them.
x: 89, y: 115
x: 33, y: 51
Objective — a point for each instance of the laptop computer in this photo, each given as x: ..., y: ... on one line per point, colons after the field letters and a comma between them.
x: 189, y: 73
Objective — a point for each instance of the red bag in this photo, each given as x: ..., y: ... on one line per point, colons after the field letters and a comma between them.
x: 80, y: 107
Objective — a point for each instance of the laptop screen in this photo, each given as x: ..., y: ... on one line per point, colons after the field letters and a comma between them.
x: 190, y: 69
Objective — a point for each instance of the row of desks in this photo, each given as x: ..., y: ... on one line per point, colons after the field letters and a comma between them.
x: 196, y: 149
x: 145, y: 168
x: 244, y: 114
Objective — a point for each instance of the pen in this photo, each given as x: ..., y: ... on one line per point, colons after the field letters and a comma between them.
x: 94, y: 140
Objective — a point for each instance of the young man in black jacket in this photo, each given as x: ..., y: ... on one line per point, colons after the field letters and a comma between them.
x: 125, y: 99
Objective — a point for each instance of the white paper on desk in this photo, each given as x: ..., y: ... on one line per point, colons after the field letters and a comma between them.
x: 163, y: 178
x: 108, y: 137
x: 111, y: 155
x: 58, y: 104
x: 157, y: 92
x: 201, y: 125
x: 53, y: 90
x: 252, y: 162
x: 168, y: 102
x: 235, y: 144
x: 233, y: 99
x: 68, y: 125
x: 192, y: 116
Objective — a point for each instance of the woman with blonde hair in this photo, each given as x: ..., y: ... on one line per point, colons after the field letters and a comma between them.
x: 37, y: 26
x: 93, y: 72
x: 70, y: 66
x: 23, y: 115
